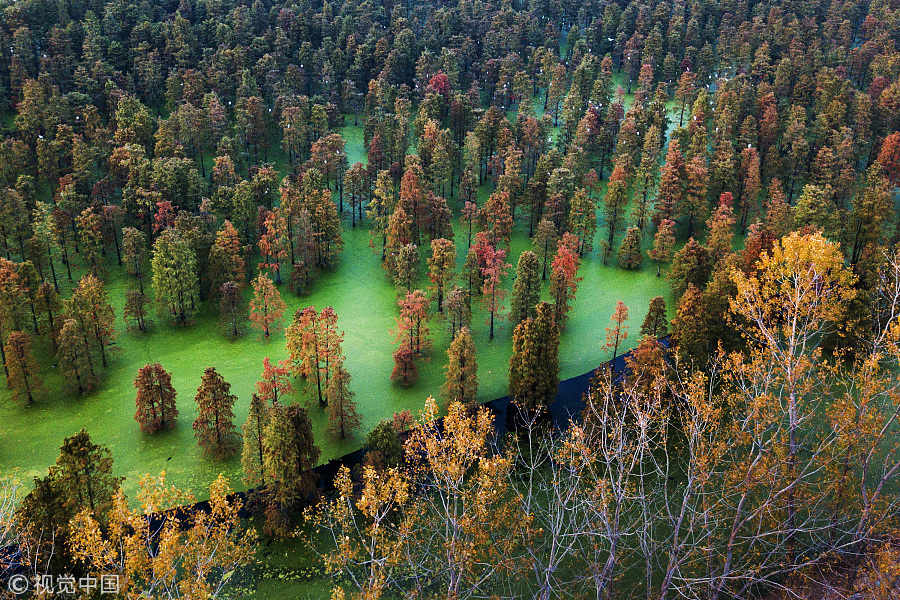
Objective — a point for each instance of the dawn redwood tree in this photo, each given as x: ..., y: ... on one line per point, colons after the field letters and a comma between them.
x: 656, y: 322
x: 526, y: 289
x: 266, y: 306
x: 289, y: 456
x: 619, y: 330
x: 406, y: 267
x: 663, y: 244
x: 155, y: 399
x: 493, y: 269
x: 630, y: 256
x: 564, y: 278
x: 136, y: 308
x: 441, y: 267
x: 74, y: 358
x: 50, y: 306
x: 461, y: 373
x: 252, y: 435
x: 231, y: 307
x: 543, y: 243
x: 134, y: 254
x: 615, y: 201
x: 690, y: 265
x: 343, y: 417
x: 314, y: 347
x: 273, y: 243
x: 24, y: 373
x: 174, y: 266
x: 90, y: 307
x: 458, y: 312
x: 274, y: 381
x: 226, y: 261
x: 411, y: 335
x: 534, y: 364
x: 214, y: 426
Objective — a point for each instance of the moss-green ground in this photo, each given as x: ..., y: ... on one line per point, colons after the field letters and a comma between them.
x: 365, y: 302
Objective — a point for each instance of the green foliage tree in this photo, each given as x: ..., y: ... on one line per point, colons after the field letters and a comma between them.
x: 534, y: 365
x: 175, y: 280
x: 461, y: 374
x: 155, y: 400
x: 214, y: 427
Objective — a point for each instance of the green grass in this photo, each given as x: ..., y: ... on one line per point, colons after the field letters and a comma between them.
x: 365, y: 302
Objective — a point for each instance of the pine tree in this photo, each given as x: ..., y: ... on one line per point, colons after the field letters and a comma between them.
x: 630, y: 256
x: 526, y: 289
x: 24, y: 373
x: 266, y: 307
x: 655, y: 323
x: 441, y: 267
x: 252, y: 434
x: 231, y: 307
x: 155, y: 399
x: 534, y: 365
x: 461, y: 378
x: 342, y: 415
x: 214, y: 427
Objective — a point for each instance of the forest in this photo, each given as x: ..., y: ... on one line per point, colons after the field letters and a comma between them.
x: 243, y: 240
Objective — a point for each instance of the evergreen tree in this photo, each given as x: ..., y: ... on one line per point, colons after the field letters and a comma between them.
x: 526, y: 289
x: 342, y: 415
x: 461, y: 378
x: 214, y: 427
x: 534, y: 365
x: 155, y: 399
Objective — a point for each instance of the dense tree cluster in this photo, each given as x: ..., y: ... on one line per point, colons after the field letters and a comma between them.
x: 749, y: 150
